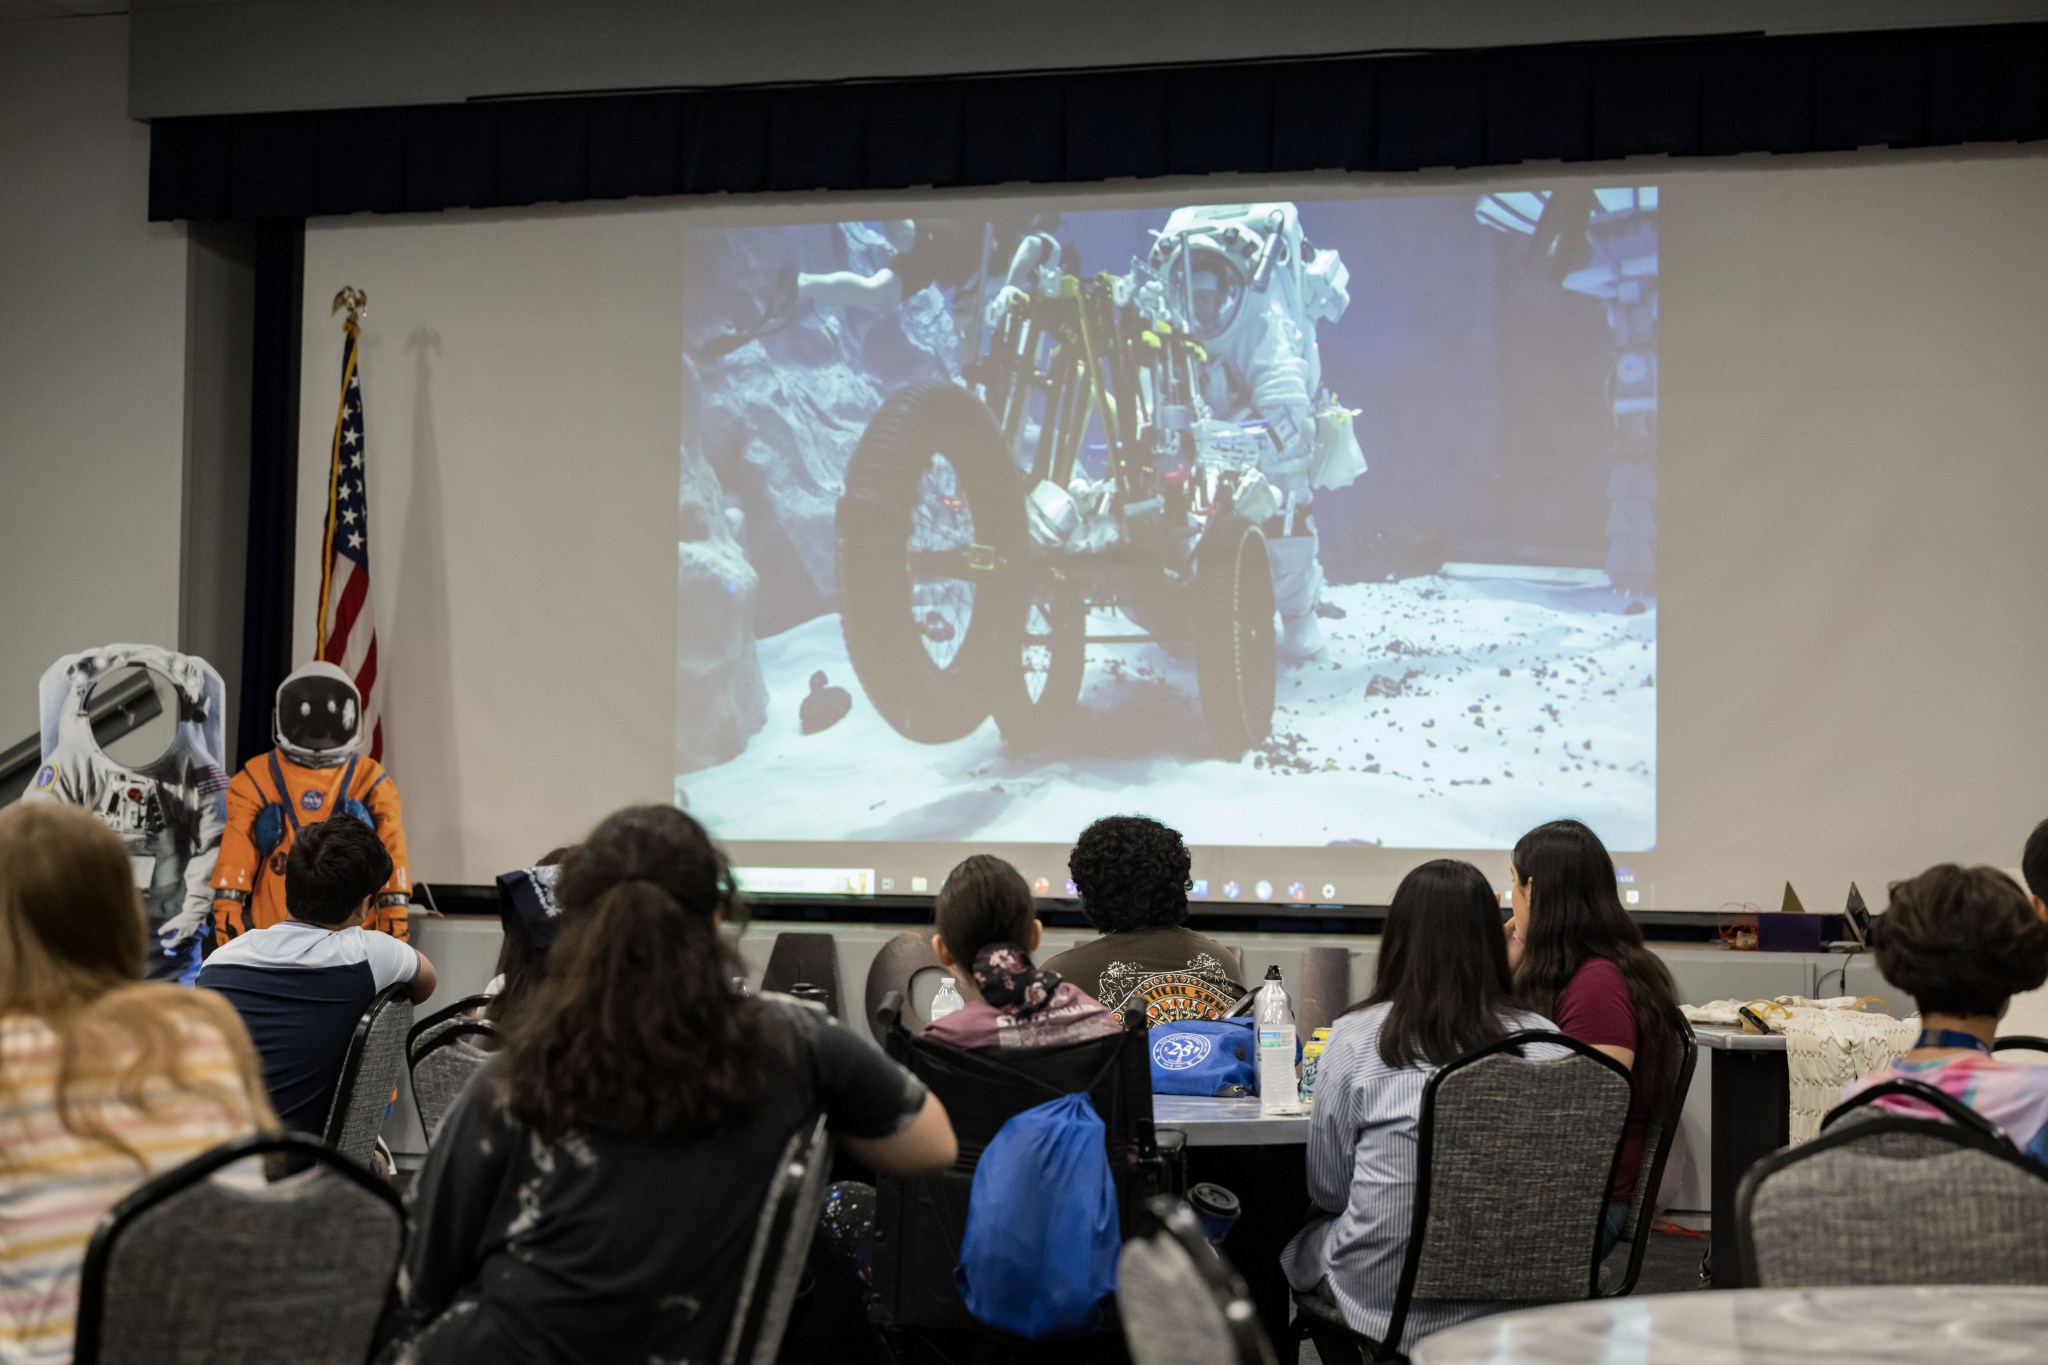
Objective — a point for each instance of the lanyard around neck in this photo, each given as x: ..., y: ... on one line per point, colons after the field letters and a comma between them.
x: 1948, y: 1037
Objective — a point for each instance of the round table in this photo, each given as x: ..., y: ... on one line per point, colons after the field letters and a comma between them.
x: 1951, y: 1325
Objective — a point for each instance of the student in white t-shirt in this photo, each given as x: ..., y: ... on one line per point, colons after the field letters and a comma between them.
x: 302, y: 984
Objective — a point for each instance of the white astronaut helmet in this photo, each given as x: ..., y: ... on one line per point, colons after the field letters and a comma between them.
x: 318, y: 721
x: 1208, y: 257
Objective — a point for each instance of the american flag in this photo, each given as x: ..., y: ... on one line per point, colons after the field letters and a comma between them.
x: 347, y: 630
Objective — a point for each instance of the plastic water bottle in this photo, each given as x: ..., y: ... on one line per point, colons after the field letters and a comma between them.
x: 946, y: 1001
x: 1279, y: 1086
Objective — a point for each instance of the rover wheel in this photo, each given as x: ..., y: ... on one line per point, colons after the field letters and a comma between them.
x: 930, y: 542
x: 1236, y: 659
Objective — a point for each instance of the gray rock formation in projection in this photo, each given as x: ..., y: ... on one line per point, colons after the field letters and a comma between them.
x: 721, y: 700
x: 782, y: 413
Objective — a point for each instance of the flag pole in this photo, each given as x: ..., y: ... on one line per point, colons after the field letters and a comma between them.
x: 357, y: 302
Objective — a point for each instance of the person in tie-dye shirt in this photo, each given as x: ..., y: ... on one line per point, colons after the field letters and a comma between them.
x: 1962, y: 942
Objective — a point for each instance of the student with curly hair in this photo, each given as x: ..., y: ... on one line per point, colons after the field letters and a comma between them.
x: 593, y: 1193
x: 1132, y: 873
x: 1962, y: 941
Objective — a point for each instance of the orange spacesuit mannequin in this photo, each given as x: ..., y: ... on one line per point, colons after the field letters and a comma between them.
x: 314, y: 773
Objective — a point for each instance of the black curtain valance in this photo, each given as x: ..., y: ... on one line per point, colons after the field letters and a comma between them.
x: 1691, y: 97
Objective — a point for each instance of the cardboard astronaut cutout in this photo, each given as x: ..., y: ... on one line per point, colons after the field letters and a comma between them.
x: 169, y: 811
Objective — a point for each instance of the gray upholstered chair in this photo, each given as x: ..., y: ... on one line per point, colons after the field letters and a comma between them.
x: 468, y: 1010
x: 1880, y: 1198
x: 442, y: 1065
x: 370, y: 1072
x: 1658, y: 1139
x: 1557, y: 1123
x: 1180, y: 1302
x: 782, y: 1239
x: 160, y: 1280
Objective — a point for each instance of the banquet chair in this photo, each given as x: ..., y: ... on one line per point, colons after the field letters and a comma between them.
x: 782, y: 1240
x: 468, y: 1009
x: 320, y: 1246
x: 1558, y: 1124
x: 370, y: 1071
x: 2020, y: 1042
x: 1658, y: 1140
x: 1180, y: 1301
x: 1883, y: 1199
x: 442, y: 1065
x: 920, y: 1220
x: 804, y: 959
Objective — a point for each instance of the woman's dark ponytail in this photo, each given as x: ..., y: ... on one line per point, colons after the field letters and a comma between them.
x: 636, y: 1027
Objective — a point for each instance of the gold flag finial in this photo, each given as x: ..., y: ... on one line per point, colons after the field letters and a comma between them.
x: 355, y: 300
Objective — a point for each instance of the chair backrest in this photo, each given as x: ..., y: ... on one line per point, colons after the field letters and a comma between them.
x: 804, y: 959
x: 160, y: 1281
x: 920, y: 1220
x: 467, y: 1010
x: 1557, y: 1124
x: 1883, y: 1200
x: 782, y: 1239
x: 370, y: 1071
x: 444, y: 1064
x: 2020, y: 1042
x: 890, y: 975
x: 1659, y: 1137
x: 1180, y: 1302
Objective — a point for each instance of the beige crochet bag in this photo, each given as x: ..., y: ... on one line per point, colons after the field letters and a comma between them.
x: 1830, y: 1044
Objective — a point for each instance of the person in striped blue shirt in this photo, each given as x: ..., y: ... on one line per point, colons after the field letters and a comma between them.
x: 1442, y: 989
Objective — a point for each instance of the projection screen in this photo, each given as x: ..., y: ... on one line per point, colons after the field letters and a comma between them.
x: 1341, y: 523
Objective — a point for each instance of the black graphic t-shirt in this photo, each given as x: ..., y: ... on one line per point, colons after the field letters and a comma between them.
x: 1175, y: 973
x: 528, y: 1249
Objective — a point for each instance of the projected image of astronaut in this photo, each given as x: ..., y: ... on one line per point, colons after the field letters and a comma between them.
x: 1251, y: 289
x: 170, y: 809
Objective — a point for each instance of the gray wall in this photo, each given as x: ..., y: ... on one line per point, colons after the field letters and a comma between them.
x: 92, y: 373
x: 464, y: 950
x: 235, y: 56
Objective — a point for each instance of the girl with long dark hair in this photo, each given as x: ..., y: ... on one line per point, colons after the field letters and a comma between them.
x: 1580, y: 959
x: 1442, y: 989
x: 593, y: 1194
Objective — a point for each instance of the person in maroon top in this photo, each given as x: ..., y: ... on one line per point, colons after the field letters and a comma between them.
x: 1579, y: 958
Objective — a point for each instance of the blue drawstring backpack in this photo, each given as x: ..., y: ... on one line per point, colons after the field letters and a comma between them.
x: 1039, y: 1254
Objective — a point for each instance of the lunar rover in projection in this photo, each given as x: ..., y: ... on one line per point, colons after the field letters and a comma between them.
x: 1087, y: 463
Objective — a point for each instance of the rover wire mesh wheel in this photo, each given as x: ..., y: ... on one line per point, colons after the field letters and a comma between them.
x: 930, y: 542
x: 1051, y: 656
x: 1236, y: 656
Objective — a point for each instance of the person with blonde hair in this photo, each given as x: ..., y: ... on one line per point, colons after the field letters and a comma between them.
x: 105, y: 1081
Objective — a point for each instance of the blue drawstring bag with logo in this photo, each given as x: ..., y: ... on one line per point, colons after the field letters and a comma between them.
x: 1205, y: 1057
x: 1039, y: 1255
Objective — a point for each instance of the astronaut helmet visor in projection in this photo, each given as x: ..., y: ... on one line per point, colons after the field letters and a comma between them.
x: 1208, y: 257
x: 319, y: 716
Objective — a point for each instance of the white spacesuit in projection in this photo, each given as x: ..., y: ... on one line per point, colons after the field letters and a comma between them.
x: 169, y: 812
x: 1251, y: 289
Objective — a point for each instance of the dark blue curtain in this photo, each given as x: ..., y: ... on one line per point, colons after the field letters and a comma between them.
x: 1692, y: 97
